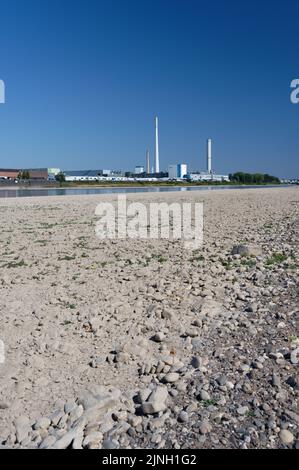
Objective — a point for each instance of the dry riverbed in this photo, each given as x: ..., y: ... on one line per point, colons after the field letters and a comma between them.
x: 141, y: 343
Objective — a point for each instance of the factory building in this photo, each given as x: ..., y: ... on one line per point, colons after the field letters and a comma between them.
x: 9, y: 174
x: 93, y: 175
x: 139, y: 170
x: 206, y: 177
x: 172, y: 172
x: 38, y: 173
x: 34, y: 173
x: 82, y: 175
x: 177, y: 171
x: 53, y: 171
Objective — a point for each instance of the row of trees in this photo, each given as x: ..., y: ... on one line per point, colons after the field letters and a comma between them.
x: 24, y: 175
x: 253, y: 178
x: 60, y: 177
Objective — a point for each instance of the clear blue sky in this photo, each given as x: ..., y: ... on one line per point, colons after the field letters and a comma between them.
x: 84, y: 80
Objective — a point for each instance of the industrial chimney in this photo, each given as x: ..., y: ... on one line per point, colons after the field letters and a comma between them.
x: 147, y: 162
x: 157, y: 164
x: 209, y: 156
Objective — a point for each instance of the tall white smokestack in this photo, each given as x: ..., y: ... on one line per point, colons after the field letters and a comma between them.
x: 147, y: 162
x: 209, y: 155
x: 157, y: 164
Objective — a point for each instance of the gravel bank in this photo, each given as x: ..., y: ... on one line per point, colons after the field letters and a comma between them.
x: 141, y: 343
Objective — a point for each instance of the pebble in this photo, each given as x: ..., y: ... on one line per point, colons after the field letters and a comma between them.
x: 158, y: 337
x: 110, y: 444
x: 242, y: 410
x: 70, y: 406
x: 221, y: 380
x: 134, y: 420
x: 49, y: 441
x: 94, y: 437
x: 205, y: 427
x: 196, y: 362
x: 204, y: 395
x: 23, y: 428
x: 295, y: 356
x: 171, y: 377
x: 286, y: 437
x: 65, y: 440
x: 183, y: 417
x: 42, y: 423
x: 247, y: 250
x: 193, y: 333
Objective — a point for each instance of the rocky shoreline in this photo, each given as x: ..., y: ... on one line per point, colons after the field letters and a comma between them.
x: 139, y: 344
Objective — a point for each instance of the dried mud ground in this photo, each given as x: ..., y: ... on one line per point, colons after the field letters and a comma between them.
x: 142, y: 343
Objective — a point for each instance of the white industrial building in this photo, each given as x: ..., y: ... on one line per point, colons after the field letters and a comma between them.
x: 172, y: 172
x: 138, y: 170
x: 207, y: 177
x: 177, y: 171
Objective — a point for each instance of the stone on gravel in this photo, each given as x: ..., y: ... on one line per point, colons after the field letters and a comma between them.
x: 42, y: 423
x: 110, y: 444
x: 156, y: 401
x: 158, y: 337
x: 286, y: 437
x: 183, y: 417
x: 295, y: 356
x: 65, y: 441
x: 205, y: 427
x: 171, y: 377
x: 23, y: 428
x: 49, y: 441
x: 204, y: 395
x: 247, y: 250
x: 196, y: 362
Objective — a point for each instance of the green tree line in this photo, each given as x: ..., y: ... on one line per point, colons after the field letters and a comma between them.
x: 253, y: 178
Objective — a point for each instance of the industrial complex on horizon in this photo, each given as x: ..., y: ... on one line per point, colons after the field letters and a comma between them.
x: 177, y: 171
x: 144, y: 173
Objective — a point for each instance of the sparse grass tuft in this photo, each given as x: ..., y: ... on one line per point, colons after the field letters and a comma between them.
x: 276, y: 258
x: 197, y: 258
x: 207, y: 403
x: 71, y: 306
x: 248, y: 262
x: 15, y: 264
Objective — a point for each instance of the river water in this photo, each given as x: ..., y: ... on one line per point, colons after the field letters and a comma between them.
x: 15, y: 192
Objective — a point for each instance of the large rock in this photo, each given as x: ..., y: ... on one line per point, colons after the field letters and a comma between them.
x: 247, y: 250
x: 96, y: 402
x: 65, y: 441
x: 23, y: 428
x: 98, y: 395
x: 156, y: 401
